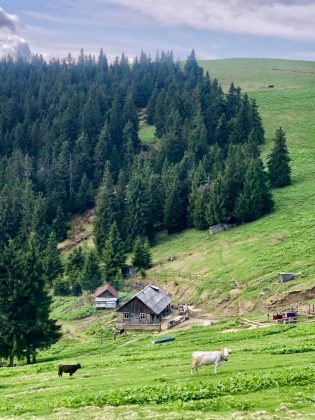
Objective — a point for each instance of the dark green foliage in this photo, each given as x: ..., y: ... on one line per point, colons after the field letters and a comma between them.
x: 141, y: 253
x: 61, y: 122
x: 255, y: 198
x: 91, y: 275
x: 85, y: 196
x: 62, y: 286
x: 74, y: 267
x: 113, y: 257
x: 278, y: 162
x: 137, y: 207
x: 174, y: 205
x: 24, y: 303
x: 53, y: 267
x: 59, y: 225
x: 106, y: 209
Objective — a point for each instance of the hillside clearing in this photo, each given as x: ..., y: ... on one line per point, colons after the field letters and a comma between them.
x: 251, y: 255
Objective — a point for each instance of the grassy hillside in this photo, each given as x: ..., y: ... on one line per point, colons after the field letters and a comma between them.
x: 253, y: 254
x: 132, y: 378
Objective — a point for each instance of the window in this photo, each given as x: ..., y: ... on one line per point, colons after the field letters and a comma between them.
x: 126, y: 315
x: 142, y: 317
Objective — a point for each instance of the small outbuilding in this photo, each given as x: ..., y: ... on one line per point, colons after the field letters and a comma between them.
x: 221, y: 227
x: 145, y: 310
x: 106, y: 297
x: 283, y: 277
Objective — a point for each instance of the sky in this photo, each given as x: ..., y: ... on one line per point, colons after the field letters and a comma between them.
x: 214, y: 28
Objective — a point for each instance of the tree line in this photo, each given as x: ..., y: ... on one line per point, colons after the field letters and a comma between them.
x: 69, y: 140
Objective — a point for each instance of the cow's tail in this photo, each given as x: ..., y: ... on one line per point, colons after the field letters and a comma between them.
x: 59, y: 371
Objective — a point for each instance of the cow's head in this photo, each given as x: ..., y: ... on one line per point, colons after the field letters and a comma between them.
x: 225, y: 354
x: 78, y: 366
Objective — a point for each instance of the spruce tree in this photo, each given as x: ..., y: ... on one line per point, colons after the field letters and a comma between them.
x: 74, y: 267
x: 53, y: 267
x: 102, y: 153
x: 147, y: 256
x: 137, y: 208
x: 39, y: 331
x: 278, y: 162
x: 106, y: 210
x: 11, y: 303
x: 91, y: 276
x: 60, y: 225
x: 255, y: 199
x: 113, y: 257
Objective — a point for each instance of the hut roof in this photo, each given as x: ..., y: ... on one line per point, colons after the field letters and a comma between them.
x: 153, y: 297
x: 107, y: 288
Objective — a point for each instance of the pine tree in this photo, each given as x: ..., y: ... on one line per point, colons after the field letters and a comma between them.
x: 147, y: 256
x: 24, y: 303
x: 74, y: 267
x: 102, y: 152
x: 106, y: 210
x: 278, y: 162
x: 60, y: 225
x: 113, y: 256
x: 137, y: 208
x: 39, y: 331
x: 255, y: 199
x: 11, y: 298
x: 216, y: 207
x: 91, y: 275
x: 84, y: 197
x: 52, y: 261
x: 174, y: 209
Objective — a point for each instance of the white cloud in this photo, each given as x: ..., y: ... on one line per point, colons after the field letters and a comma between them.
x: 14, y: 46
x: 280, y: 18
x: 10, y: 43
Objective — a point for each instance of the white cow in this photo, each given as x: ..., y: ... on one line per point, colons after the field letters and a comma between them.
x: 200, y: 358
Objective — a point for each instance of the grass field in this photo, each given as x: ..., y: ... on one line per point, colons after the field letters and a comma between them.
x: 271, y: 370
x: 253, y: 254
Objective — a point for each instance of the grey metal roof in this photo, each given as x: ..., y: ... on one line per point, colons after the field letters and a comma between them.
x: 154, y: 298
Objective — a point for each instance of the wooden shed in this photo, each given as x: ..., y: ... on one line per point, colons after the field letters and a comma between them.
x: 106, y: 297
x: 145, y: 310
x: 283, y: 277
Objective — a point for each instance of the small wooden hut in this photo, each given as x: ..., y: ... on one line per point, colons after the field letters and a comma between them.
x: 106, y: 297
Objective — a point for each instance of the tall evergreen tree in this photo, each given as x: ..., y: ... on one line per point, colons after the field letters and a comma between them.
x: 278, y: 162
x: 39, y: 331
x: 113, y: 257
x: 74, y: 267
x: 141, y: 253
x: 106, y: 209
x: 91, y: 275
x: 53, y: 267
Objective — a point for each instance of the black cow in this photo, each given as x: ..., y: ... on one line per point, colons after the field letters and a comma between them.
x: 71, y: 369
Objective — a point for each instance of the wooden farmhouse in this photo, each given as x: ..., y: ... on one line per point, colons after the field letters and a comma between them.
x: 145, y: 310
x: 106, y: 297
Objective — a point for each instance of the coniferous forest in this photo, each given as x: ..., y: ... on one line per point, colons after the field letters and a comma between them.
x: 69, y: 141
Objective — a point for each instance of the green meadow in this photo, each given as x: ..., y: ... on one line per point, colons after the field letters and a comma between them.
x: 270, y: 372
x: 253, y: 254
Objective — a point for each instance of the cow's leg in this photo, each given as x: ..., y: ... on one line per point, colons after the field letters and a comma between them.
x: 71, y: 373
x: 216, y: 365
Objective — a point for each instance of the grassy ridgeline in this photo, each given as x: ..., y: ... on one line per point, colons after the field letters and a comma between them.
x: 253, y: 254
x: 156, y: 379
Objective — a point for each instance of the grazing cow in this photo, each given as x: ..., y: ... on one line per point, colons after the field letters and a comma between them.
x: 71, y: 369
x: 201, y: 358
